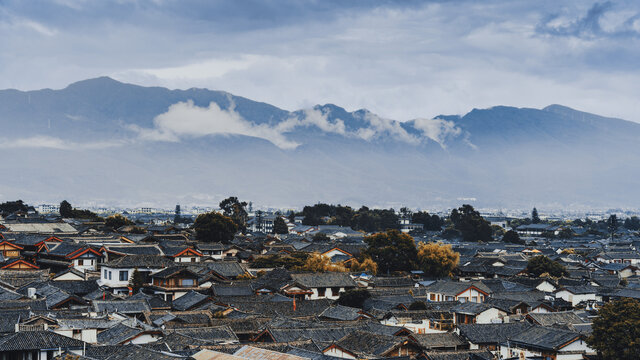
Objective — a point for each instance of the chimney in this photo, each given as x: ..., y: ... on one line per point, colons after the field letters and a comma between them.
x: 31, y: 293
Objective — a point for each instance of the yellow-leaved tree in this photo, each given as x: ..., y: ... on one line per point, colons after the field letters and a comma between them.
x: 320, y: 263
x: 437, y: 260
x: 367, y: 265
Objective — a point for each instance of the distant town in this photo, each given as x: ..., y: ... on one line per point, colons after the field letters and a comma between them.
x: 239, y: 281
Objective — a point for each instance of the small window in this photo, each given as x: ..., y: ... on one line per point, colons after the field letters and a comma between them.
x: 187, y: 282
x: 321, y: 291
x: 124, y: 275
x: 105, y: 274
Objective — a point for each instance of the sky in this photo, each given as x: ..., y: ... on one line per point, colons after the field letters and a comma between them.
x: 399, y: 59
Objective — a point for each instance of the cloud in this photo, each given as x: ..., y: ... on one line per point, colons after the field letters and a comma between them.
x: 400, y: 59
x: 184, y: 119
x: 590, y: 25
x: 50, y: 142
x: 312, y: 117
x: 437, y: 130
x: 187, y: 120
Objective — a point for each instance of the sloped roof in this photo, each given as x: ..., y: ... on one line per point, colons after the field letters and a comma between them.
x: 140, y: 261
x: 340, y: 312
x: 555, y: 318
x: 545, y: 338
x: 188, y: 300
x: 491, y: 333
x: 121, y: 306
x: 438, y: 340
x: 38, y: 340
x: 328, y: 279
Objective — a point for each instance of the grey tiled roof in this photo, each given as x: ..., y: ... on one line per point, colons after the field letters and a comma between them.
x: 491, y: 333
x: 329, y: 279
x: 140, y: 261
x: 541, y: 337
x: 38, y: 340
x: 188, y: 300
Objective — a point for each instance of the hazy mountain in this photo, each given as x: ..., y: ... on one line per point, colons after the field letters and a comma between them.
x: 104, y: 141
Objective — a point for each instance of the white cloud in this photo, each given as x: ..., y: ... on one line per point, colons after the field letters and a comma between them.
x: 184, y: 119
x: 437, y: 130
x: 50, y: 142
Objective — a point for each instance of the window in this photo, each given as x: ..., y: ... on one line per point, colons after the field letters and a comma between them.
x: 432, y: 297
x: 187, y: 282
x: 124, y: 275
x: 109, y: 275
x: 321, y: 291
x: 105, y: 274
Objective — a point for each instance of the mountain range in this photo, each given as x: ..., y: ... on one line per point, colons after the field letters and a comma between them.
x: 101, y: 141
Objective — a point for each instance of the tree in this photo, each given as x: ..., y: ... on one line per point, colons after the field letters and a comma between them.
x: 535, y: 219
x: 279, y: 226
x: 512, y: 237
x: 236, y: 210
x: 418, y: 305
x: 137, y: 281
x: 616, y: 330
x: 471, y: 225
x: 290, y: 261
x: 437, y: 260
x: 566, y: 233
x: 612, y: 224
x: 292, y: 216
x: 321, y: 263
x: 541, y: 264
x: 354, y: 298
x: 429, y: 222
x: 632, y: 223
x: 391, y: 250
x: 117, y: 221
x: 320, y: 237
x: 214, y: 227
x: 66, y: 210
x: 367, y: 265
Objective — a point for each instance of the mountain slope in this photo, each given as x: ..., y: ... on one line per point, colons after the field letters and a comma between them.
x: 113, y: 143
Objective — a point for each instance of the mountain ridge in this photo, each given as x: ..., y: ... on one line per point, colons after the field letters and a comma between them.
x: 502, y: 156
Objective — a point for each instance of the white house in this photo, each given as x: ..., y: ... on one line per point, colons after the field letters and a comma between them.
x: 578, y: 294
x: 116, y: 274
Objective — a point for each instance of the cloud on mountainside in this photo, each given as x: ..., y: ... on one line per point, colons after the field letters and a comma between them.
x: 185, y: 119
x: 50, y: 142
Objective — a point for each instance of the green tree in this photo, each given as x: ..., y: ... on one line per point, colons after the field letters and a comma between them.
x: 612, y: 224
x: 117, y: 221
x: 512, y: 237
x: 566, y: 233
x: 279, y: 226
x: 354, y: 298
x: 10, y: 207
x: 391, y: 250
x: 66, y: 210
x: 430, y: 222
x: 632, y: 223
x: 471, y: 225
x: 418, y: 305
x: 541, y: 264
x: 320, y: 237
x: 214, y: 227
x: 535, y: 219
x: 292, y: 216
x: 616, y: 330
x: 236, y: 210
x: 437, y: 260
x: 290, y: 261
x: 137, y: 281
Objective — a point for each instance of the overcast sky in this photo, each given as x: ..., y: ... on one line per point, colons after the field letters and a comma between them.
x: 401, y: 60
